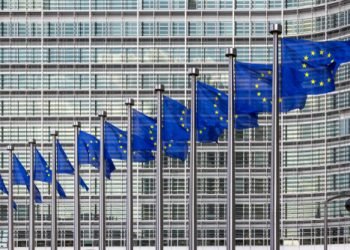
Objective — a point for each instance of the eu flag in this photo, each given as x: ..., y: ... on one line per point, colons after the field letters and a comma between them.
x: 44, y: 174
x: 89, y: 152
x: 254, y: 90
x: 212, y: 114
x: 2, y: 186
x: 64, y: 166
x: 5, y: 191
x: 144, y: 132
x: 176, y: 128
x: 20, y: 177
x: 313, y: 64
x: 116, y: 145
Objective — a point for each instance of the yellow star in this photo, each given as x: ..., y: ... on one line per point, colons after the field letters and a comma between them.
x: 306, y: 74
x: 152, y: 138
x: 181, y: 118
x: 93, y: 158
x: 152, y: 126
x: 258, y: 94
x: 169, y: 145
x: 280, y: 99
x: 259, y: 79
x: 332, y: 61
x: 269, y: 72
x: 164, y: 147
x: 216, y: 98
x: 304, y: 65
x: 124, y: 151
x: 262, y: 74
x: 121, y: 147
x: 321, y: 52
x: 155, y: 144
x: 216, y: 112
x: 329, y: 55
x: 313, y: 81
x: 306, y: 58
x: 215, y: 105
x: 120, y: 135
x: 321, y: 83
x: 221, y: 118
x: 187, y: 129
x: 200, y: 131
x: 264, y: 99
x: 313, y: 53
x: 183, y: 112
x: 183, y: 125
x: 329, y: 80
x: 257, y: 86
x: 236, y: 116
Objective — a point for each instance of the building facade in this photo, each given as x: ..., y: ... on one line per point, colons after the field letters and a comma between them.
x: 65, y: 60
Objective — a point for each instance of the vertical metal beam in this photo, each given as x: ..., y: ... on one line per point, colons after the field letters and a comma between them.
x: 10, y: 244
x: 77, y: 232
x: 159, y: 161
x: 54, y: 135
x: 129, y: 207
x: 275, y: 30
x: 102, y: 174
x: 32, y: 195
x: 193, y: 73
x: 325, y: 226
x: 231, y: 53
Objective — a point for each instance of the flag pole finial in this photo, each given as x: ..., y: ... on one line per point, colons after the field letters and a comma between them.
x: 275, y: 28
x: 231, y: 52
x: 102, y: 113
x: 193, y: 71
x: 129, y: 101
x: 10, y: 147
x: 32, y: 141
x: 77, y: 124
x: 159, y: 87
x: 54, y: 133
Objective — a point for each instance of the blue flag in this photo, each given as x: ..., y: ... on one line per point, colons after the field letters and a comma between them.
x: 5, y: 191
x: 176, y: 128
x: 254, y: 90
x: 313, y: 64
x: 89, y: 152
x: 20, y: 177
x: 2, y: 186
x: 64, y: 166
x: 43, y: 173
x: 144, y: 132
x: 212, y: 114
x: 116, y: 145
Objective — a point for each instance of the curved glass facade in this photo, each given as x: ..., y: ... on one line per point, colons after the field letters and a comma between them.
x: 65, y: 60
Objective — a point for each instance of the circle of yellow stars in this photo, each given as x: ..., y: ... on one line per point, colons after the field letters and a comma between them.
x: 309, y: 57
x: 262, y: 75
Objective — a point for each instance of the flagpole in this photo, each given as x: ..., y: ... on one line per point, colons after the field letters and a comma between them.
x: 76, y: 127
x: 10, y: 201
x: 275, y: 30
x: 102, y: 116
x: 159, y: 160
x: 31, y: 203
x: 54, y: 135
x: 231, y: 53
x: 193, y: 73
x: 129, y: 212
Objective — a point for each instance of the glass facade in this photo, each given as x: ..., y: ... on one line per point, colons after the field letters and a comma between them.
x: 65, y: 60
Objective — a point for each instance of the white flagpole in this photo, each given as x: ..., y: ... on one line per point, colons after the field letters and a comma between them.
x: 275, y: 30
x: 77, y: 232
x: 159, y: 161
x: 193, y: 73
x: 231, y: 202
x: 54, y: 135
x: 10, y: 199
x: 32, y: 194
x: 102, y: 172
x: 129, y: 209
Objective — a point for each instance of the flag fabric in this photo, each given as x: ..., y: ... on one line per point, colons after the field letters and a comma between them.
x: 89, y: 152
x: 43, y: 173
x: 254, y: 90
x: 313, y: 64
x: 2, y: 186
x: 20, y: 177
x: 212, y: 114
x: 64, y: 166
x: 176, y: 128
x: 144, y: 131
x: 5, y: 191
x: 116, y: 145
